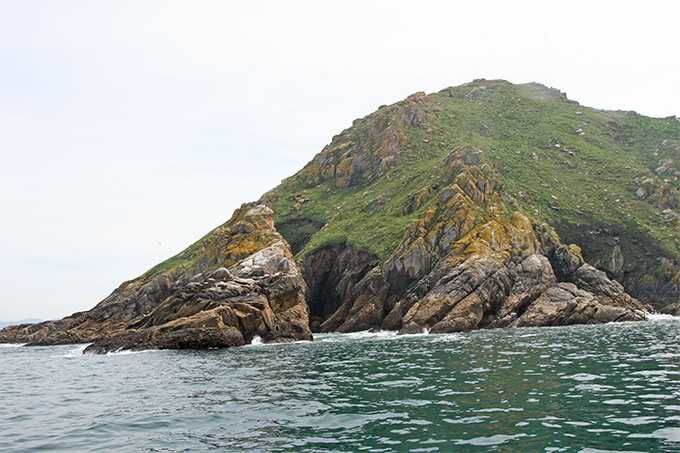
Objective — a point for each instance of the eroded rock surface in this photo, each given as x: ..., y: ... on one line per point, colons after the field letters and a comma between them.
x: 467, y: 264
x: 262, y: 296
x: 239, y: 282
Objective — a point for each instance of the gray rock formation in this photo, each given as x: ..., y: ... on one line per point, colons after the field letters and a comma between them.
x: 452, y: 273
x: 193, y: 300
x: 263, y: 295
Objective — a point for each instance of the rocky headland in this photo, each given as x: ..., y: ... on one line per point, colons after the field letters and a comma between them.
x: 486, y: 205
x: 205, y: 305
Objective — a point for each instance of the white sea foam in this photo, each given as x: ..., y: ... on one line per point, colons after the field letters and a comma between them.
x: 407, y: 335
x: 11, y: 345
x: 128, y: 352
x: 76, y: 351
x: 352, y: 336
x: 384, y: 335
x: 257, y: 341
x: 661, y: 317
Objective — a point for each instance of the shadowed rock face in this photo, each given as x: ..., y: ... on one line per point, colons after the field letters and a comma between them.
x: 331, y: 274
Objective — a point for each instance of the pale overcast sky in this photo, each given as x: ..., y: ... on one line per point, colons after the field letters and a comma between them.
x: 129, y: 129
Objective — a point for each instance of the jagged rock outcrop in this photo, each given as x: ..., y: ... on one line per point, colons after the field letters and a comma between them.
x: 386, y: 138
x: 263, y: 296
x: 467, y: 264
x: 198, y: 303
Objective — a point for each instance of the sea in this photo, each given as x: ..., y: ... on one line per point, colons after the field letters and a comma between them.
x: 591, y: 389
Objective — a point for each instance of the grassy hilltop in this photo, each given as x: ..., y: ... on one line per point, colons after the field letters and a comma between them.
x: 605, y: 180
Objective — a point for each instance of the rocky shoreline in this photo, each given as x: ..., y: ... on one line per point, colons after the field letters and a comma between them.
x: 403, y: 223
x: 453, y: 272
x: 260, y: 295
x: 511, y: 281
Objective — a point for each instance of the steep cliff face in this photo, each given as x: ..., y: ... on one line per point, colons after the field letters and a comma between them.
x: 192, y: 300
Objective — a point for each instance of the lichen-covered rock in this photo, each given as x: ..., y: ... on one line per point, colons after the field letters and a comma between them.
x: 667, y: 167
x: 665, y: 197
x: 368, y: 149
x: 262, y: 296
x: 240, y: 277
x: 467, y: 264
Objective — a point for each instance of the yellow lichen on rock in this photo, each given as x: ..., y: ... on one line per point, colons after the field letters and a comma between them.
x: 369, y: 148
x: 343, y: 172
x: 313, y: 173
x: 467, y: 220
x: 665, y: 197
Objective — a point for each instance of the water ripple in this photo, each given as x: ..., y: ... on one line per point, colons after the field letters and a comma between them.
x: 579, y: 388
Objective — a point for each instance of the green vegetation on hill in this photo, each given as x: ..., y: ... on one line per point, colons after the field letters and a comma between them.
x: 606, y: 180
x: 458, y: 195
x: 575, y: 167
x: 531, y: 134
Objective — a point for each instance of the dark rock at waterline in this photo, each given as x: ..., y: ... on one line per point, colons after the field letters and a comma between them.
x: 186, y: 338
x: 332, y: 273
x: 671, y: 309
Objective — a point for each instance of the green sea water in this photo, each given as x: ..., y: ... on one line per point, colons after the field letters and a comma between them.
x: 582, y: 388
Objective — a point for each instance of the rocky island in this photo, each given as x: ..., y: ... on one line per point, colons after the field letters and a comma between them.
x: 481, y: 206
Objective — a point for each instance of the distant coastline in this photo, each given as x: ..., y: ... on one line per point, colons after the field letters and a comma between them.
x: 4, y: 324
